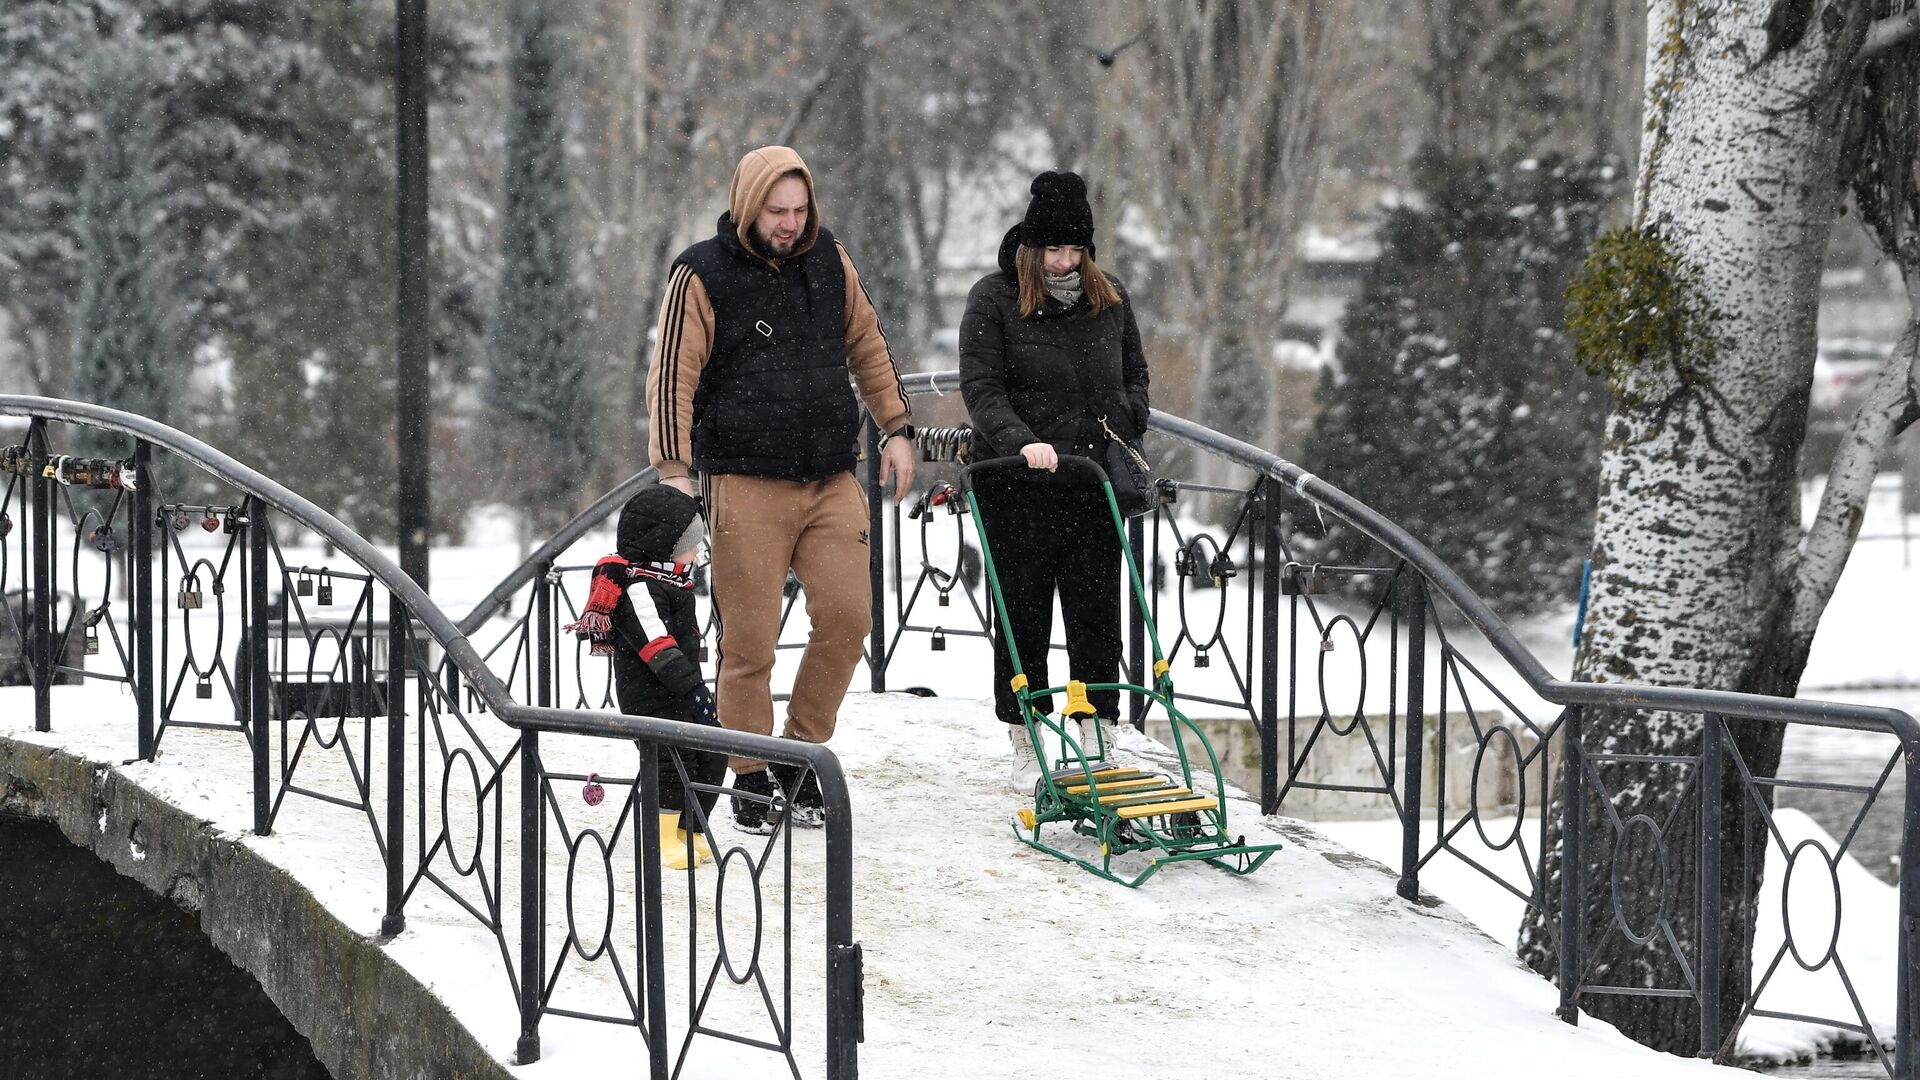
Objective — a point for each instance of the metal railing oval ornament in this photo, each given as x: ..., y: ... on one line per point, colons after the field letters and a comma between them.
x: 460, y: 754
x: 1519, y: 775
x: 605, y: 864
x: 1188, y: 568
x: 943, y: 579
x: 338, y: 697
x: 1788, y: 907
x: 219, y: 601
x: 1662, y: 899
x: 1328, y: 647
x: 738, y: 976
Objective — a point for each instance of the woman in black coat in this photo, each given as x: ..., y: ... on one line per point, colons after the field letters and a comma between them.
x: 1050, y: 361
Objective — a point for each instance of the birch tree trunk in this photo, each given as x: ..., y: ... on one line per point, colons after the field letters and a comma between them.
x: 1698, y: 521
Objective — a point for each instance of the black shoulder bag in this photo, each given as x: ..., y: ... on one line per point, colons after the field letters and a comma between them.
x: 1135, y: 488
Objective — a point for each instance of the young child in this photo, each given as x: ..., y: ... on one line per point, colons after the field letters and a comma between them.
x: 640, y: 609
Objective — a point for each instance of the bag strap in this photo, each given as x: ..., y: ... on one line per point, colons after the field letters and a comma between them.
x: 1126, y: 447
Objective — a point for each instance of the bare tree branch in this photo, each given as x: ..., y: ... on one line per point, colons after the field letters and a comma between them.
x: 1891, y: 405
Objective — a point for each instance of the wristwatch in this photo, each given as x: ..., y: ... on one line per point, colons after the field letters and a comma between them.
x: 904, y: 431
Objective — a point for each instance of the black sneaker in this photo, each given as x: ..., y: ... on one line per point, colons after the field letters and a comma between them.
x: 806, y: 804
x: 754, y: 815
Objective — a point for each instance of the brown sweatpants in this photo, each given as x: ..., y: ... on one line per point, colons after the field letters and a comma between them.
x: 758, y: 528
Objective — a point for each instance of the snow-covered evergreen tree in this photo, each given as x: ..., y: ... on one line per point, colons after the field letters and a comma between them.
x: 221, y: 73
x: 537, y: 384
x: 129, y: 305
x: 1455, y: 407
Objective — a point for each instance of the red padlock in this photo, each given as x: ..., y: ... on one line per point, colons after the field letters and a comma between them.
x: 210, y: 522
x: 593, y: 792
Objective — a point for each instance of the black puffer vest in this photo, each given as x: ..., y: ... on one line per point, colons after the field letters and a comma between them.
x: 774, y: 398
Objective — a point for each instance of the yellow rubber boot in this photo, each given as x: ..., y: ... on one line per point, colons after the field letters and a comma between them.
x: 673, y: 843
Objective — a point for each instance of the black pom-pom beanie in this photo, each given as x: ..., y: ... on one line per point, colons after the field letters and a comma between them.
x: 1059, y: 214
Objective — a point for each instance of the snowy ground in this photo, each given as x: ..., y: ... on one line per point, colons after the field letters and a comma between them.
x: 985, y: 958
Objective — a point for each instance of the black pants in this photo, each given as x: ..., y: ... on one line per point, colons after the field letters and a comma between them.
x: 1049, y: 538
x: 702, y: 767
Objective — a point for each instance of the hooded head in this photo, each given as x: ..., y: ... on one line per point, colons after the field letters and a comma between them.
x: 753, y: 181
x: 658, y: 523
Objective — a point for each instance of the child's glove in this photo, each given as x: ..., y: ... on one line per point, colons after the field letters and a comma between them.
x: 671, y: 666
x: 701, y: 702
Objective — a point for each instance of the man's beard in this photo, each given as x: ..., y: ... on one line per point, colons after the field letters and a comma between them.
x: 775, y: 249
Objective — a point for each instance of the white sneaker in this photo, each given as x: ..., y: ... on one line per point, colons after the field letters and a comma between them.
x: 1025, y: 773
x: 1090, y: 744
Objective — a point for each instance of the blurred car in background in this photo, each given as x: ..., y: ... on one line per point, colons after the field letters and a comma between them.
x: 1842, y: 368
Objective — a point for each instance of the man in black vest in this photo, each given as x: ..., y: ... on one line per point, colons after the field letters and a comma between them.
x: 749, y: 387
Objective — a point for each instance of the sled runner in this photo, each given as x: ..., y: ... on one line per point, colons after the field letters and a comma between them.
x: 1124, y: 810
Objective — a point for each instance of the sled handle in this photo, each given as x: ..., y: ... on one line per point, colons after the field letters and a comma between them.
x: 1014, y: 461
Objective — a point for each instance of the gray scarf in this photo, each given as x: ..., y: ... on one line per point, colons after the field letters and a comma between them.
x: 1063, y: 287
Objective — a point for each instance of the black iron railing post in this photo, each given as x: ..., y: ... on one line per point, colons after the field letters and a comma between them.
x: 1137, y: 625
x: 1573, y: 866
x: 140, y: 575
x: 399, y: 641
x: 1415, y: 592
x: 543, y: 651
x: 1708, y: 890
x: 533, y: 856
x: 1273, y: 565
x: 876, y: 563
x: 846, y: 1005
x: 256, y: 646
x: 533, y: 872
x: 653, y: 935
x: 41, y: 602
x: 1907, y: 1023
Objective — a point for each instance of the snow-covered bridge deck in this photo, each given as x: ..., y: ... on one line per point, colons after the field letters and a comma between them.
x: 983, y: 958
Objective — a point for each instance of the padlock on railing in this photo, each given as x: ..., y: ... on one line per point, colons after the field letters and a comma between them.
x: 304, y: 585
x: 593, y: 793
x: 324, y: 591
x: 939, y: 640
x: 203, y: 689
x: 190, y: 598
x: 90, y: 631
x: 1221, y: 568
x: 102, y: 539
x: 1201, y: 659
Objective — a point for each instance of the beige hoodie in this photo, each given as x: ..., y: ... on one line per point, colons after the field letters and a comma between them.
x: 683, y: 340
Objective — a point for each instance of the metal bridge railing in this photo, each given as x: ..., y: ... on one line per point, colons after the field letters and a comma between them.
x: 1412, y: 689
x: 353, y: 693
x: 1483, y: 757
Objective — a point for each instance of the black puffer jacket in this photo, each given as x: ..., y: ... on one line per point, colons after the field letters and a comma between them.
x: 656, y: 669
x: 1048, y: 378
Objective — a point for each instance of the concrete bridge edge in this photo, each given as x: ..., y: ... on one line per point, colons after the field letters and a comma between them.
x: 365, y: 1015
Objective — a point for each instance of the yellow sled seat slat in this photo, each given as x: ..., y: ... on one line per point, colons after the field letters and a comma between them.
x: 1129, y: 797
x: 1120, y: 785
x: 1155, y: 809
x: 1100, y: 776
